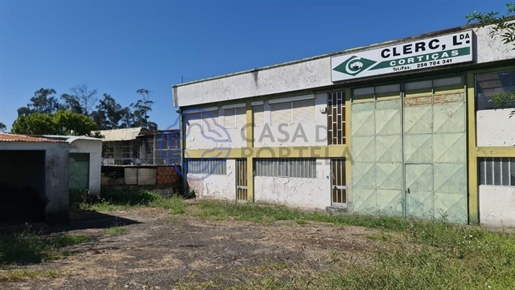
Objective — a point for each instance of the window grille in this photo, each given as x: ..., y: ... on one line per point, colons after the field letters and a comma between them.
x: 286, y: 167
x: 497, y: 171
x: 207, y: 166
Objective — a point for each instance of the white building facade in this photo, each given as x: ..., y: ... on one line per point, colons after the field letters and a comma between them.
x: 403, y: 128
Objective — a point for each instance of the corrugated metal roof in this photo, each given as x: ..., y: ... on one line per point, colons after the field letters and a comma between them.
x: 71, y: 139
x: 4, y: 137
x: 120, y: 134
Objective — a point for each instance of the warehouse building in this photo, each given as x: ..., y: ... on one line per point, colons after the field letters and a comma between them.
x: 402, y: 128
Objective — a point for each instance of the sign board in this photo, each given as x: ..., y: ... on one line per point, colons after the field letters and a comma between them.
x: 426, y: 53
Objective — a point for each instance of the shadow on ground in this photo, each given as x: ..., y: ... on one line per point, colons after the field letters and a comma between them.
x: 79, y: 220
x: 87, y: 219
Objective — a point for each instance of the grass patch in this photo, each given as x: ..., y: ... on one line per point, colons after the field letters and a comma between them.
x: 115, y: 231
x: 126, y: 198
x: 216, y: 210
x: 13, y: 275
x: 440, y: 256
x: 175, y: 205
x: 380, y: 237
x: 423, y: 255
x: 31, y: 247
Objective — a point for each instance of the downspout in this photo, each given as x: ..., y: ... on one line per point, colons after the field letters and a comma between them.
x: 403, y: 163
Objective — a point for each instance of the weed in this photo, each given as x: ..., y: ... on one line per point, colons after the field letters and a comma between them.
x: 11, y: 275
x: 29, y: 246
x: 175, y: 205
x: 112, y: 200
x: 115, y: 231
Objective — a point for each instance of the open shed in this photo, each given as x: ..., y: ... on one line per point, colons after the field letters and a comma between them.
x: 33, y: 179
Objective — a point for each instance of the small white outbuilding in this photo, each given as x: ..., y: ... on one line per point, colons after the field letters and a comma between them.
x: 85, y: 162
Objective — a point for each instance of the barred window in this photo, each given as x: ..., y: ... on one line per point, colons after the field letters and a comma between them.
x: 286, y: 167
x: 207, y: 166
x: 497, y: 171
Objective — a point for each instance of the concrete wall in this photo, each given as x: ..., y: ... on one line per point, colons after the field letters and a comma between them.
x: 309, y: 193
x: 296, y: 134
x: 298, y: 76
x: 309, y: 73
x: 495, y: 127
x: 94, y: 148
x: 56, y: 175
x: 497, y: 205
x: 221, y: 187
x: 57, y: 160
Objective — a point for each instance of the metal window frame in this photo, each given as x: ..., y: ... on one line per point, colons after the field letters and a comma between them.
x: 286, y: 167
x: 207, y: 164
x: 332, y: 136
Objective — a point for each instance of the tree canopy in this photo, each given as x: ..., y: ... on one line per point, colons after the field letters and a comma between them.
x: 500, y: 22
x: 81, y: 112
x: 2, y: 127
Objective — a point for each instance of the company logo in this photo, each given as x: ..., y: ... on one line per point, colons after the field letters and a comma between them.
x: 354, y: 65
x: 200, y: 125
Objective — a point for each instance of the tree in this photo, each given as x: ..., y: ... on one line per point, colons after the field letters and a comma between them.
x: 85, y: 97
x: 36, y: 123
x: 141, y: 109
x: 43, y: 102
x: 109, y: 114
x: 506, y: 28
x: 70, y: 123
x: 2, y: 127
x: 61, y: 123
x: 71, y: 103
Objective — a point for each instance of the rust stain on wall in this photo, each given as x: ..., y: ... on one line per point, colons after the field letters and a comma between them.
x: 448, y: 98
x: 418, y: 101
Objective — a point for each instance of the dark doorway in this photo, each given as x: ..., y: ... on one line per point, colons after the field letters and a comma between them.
x: 22, y: 186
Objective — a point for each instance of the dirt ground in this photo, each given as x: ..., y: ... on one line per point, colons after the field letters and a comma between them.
x: 159, y: 251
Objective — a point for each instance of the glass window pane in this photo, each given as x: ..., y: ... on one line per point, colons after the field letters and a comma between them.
x: 491, y: 84
x: 497, y: 171
x: 489, y: 171
x: 482, y: 173
x: 505, y: 168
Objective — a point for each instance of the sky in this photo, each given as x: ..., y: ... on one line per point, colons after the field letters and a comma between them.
x: 118, y: 47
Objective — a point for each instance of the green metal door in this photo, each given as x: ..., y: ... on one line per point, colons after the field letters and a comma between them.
x: 377, y: 157
x: 419, y: 191
x: 450, y: 156
x: 434, y: 135
x: 417, y: 142
x: 388, y: 148
x: 79, y: 171
x: 364, y: 159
